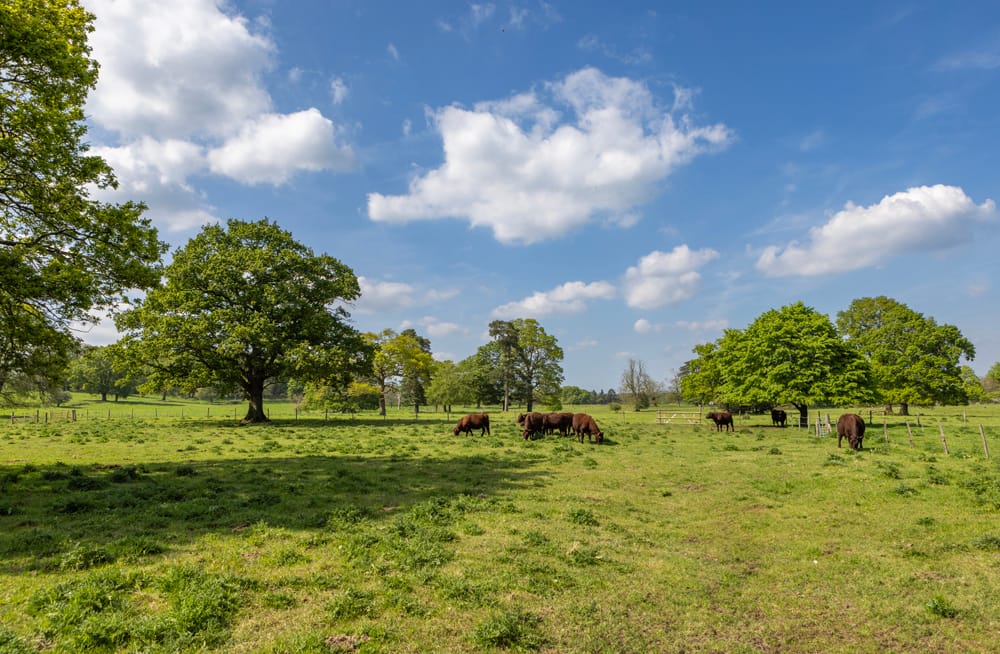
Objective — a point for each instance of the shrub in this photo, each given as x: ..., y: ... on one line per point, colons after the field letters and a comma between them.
x: 941, y: 607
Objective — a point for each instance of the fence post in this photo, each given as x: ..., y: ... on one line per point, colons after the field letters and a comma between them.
x: 982, y: 435
x: 909, y: 432
x: 885, y: 431
x: 943, y: 441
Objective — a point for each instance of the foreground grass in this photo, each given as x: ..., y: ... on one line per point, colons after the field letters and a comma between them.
x: 377, y: 535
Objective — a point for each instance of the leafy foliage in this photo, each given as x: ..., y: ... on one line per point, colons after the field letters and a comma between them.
x: 792, y: 354
x: 913, y: 359
x: 62, y: 254
x: 242, y: 305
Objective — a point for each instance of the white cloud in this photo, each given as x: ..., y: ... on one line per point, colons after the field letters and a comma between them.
x: 920, y: 219
x: 407, y: 127
x: 274, y: 146
x: 157, y: 172
x: 519, y: 168
x: 172, y: 69
x: 338, y: 90
x: 393, y: 52
x: 644, y: 326
x: 380, y: 296
x: 663, y: 278
x: 702, y: 325
x: 434, y: 327
x: 181, y: 89
x: 571, y: 297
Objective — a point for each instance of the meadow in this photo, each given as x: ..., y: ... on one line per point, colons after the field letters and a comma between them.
x: 145, y: 531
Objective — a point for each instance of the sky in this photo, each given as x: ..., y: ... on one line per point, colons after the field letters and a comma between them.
x: 637, y: 176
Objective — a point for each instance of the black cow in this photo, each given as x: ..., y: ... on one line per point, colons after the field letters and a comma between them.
x: 480, y: 421
x: 721, y: 418
x: 778, y: 417
x: 584, y: 423
x: 852, y: 427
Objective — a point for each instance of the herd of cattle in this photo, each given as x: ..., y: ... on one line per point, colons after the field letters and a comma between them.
x: 533, y: 424
x: 850, y: 425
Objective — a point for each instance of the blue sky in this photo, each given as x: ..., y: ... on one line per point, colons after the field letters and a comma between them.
x: 636, y: 176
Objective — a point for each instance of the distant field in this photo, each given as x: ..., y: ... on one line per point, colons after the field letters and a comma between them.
x: 332, y: 533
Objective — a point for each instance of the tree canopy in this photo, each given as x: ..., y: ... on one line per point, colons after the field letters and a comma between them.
x: 913, y: 359
x: 537, y: 358
x: 792, y: 355
x: 63, y: 255
x: 244, y: 304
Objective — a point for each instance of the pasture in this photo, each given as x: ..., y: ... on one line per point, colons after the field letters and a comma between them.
x: 363, y: 534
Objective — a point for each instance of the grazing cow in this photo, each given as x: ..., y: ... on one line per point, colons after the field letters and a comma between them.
x: 778, y: 417
x: 721, y: 418
x: 480, y: 421
x: 852, y: 427
x: 561, y: 422
x: 583, y: 423
x: 533, y: 423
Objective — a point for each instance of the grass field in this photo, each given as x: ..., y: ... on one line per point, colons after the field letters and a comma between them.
x: 329, y: 534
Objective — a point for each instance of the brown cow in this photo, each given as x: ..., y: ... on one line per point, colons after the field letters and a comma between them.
x: 480, y: 421
x: 778, y: 417
x: 721, y: 418
x: 533, y: 423
x: 852, y: 427
x: 583, y: 423
x: 561, y: 422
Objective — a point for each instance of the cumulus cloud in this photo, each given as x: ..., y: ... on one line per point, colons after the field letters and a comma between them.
x: 158, y: 171
x: 663, y: 278
x: 571, y: 297
x: 176, y: 68
x: 541, y: 163
x: 379, y: 295
x: 382, y: 295
x: 920, y: 219
x: 185, y: 79
x: 272, y: 147
x: 434, y: 327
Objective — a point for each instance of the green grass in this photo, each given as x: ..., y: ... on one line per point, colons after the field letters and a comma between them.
x: 364, y: 534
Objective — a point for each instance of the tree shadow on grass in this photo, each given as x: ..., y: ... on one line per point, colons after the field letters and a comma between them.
x: 46, y: 511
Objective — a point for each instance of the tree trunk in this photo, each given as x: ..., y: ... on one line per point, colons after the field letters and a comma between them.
x: 104, y: 396
x: 381, y: 400
x: 255, y: 395
x: 803, y: 414
x: 904, y: 408
x: 888, y: 409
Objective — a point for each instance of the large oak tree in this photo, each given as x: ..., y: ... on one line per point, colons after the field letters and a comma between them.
x: 245, y: 304
x: 914, y: 360
x: 63, y: 255
x: 790, y: 355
